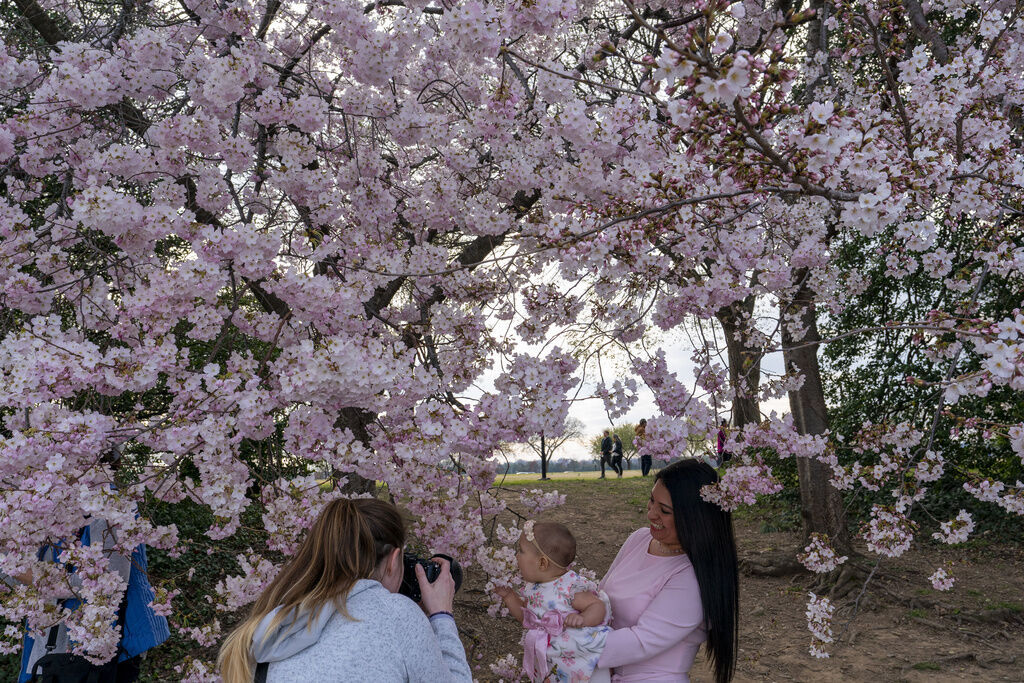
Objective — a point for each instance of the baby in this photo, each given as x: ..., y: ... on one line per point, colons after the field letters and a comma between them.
x: 565, y: 617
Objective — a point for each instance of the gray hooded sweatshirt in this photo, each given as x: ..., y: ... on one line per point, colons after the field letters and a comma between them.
x: 388, y: 639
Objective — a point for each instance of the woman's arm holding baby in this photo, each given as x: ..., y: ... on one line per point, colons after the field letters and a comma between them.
x: 512, y: 601
x: 591, y: 611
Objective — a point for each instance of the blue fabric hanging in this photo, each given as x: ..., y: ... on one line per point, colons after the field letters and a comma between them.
x: 143, y: 629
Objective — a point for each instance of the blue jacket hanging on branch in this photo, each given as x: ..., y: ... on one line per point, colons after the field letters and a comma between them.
x: 49, y: 658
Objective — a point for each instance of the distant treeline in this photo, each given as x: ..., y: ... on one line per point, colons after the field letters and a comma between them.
x: 560, y: 465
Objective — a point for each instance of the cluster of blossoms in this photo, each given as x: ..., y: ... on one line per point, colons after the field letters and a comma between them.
x: 619, y: 398
x: 930, y: 467
x: 955, y: 530
x: 1009, y: 498
x: 888, y: 531
x: 820, y: 611
x: 499, y: 562
x: 740, y: 485
x: 237, y: 591
x: 536, y: 501
x: 941, y: 581
x: 93, y: 624
x: 193, y: 670
x: 892, y: 446
x: 819, y: 556
x: 508, y: 668
x: 206, y: 635
x: 1016, y: 437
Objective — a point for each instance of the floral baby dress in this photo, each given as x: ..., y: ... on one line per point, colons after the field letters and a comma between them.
x: 569, y: 654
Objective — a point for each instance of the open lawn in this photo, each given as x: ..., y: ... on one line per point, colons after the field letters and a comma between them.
x: 529, y: 477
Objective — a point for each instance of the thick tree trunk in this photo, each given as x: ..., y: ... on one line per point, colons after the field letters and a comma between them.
x: 744, y: 362
x: 821, y: 504
x: 357, y: 420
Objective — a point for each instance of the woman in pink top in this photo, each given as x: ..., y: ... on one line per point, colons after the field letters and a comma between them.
x: 674, y: 585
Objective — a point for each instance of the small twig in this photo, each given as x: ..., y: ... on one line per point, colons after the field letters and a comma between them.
x: 856, y: 602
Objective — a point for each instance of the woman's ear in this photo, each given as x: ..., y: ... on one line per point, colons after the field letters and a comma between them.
x: 391, y: 570
x: 395, y: 561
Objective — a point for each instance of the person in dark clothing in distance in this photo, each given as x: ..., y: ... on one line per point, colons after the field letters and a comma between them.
x: 723, y: 455
x: 617, y: 455
x: 640, y: 433
x: 606, y: 451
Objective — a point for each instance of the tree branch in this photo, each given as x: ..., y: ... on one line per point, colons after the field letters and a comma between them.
x: 925, y: 31
x: 41, y: 21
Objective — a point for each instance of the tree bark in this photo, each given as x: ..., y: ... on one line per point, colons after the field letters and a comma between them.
x: 357, y: 420
x: 543, y: 458
x: 37, y: 17
x: 744, y: 362
x: 821, y: 504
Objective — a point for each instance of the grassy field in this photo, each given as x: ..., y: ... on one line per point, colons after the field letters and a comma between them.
x: 529, y: 477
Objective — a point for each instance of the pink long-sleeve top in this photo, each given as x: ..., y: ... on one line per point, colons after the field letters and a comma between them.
x: 657, y: 617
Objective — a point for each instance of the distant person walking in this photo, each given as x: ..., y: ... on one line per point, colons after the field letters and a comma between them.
x: 617, y: 454
x: 639, y: 435
x: 723, y: 455
x: 606, y: 451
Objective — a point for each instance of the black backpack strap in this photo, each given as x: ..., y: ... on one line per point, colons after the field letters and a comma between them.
x: 261, y: 672
x: 51, y: 639
x: 122, y: 611
x: 51, y: 644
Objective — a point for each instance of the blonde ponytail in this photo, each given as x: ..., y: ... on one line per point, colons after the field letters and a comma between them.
x: 235, y: 660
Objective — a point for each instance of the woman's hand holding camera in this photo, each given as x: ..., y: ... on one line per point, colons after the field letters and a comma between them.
x: 438, y: 596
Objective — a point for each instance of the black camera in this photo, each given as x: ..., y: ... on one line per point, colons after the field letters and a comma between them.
x: 410, y: 587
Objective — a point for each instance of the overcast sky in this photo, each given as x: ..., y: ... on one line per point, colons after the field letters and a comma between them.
x: 591, y: 412
x: 678, y: 345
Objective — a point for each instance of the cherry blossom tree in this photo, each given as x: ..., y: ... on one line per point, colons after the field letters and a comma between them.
x: 237, y: 226
x: 764, y: 138
x: 316, y: 228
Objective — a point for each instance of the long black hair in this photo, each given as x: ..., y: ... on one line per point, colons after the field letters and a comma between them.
x: 705, y: 532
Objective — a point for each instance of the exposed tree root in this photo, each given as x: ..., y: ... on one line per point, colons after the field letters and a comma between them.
x: 775, y: 564
x: 991, y: 616
x: 844, y: 582
x: 970, y: 657
x: 839, y: 585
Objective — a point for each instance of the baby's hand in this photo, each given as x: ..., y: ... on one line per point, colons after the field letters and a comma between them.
x: 590, y: 611
x: 504, y: 592
x: 574, y: 620
x: 511, y: 600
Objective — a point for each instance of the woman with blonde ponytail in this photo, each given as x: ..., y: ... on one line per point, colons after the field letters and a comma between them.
x: 334, y: 613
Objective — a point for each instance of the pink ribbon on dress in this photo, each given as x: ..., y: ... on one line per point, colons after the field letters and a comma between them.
x: 538, y: 636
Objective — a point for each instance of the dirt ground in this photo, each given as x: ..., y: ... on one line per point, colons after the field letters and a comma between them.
x: 903, y: 630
